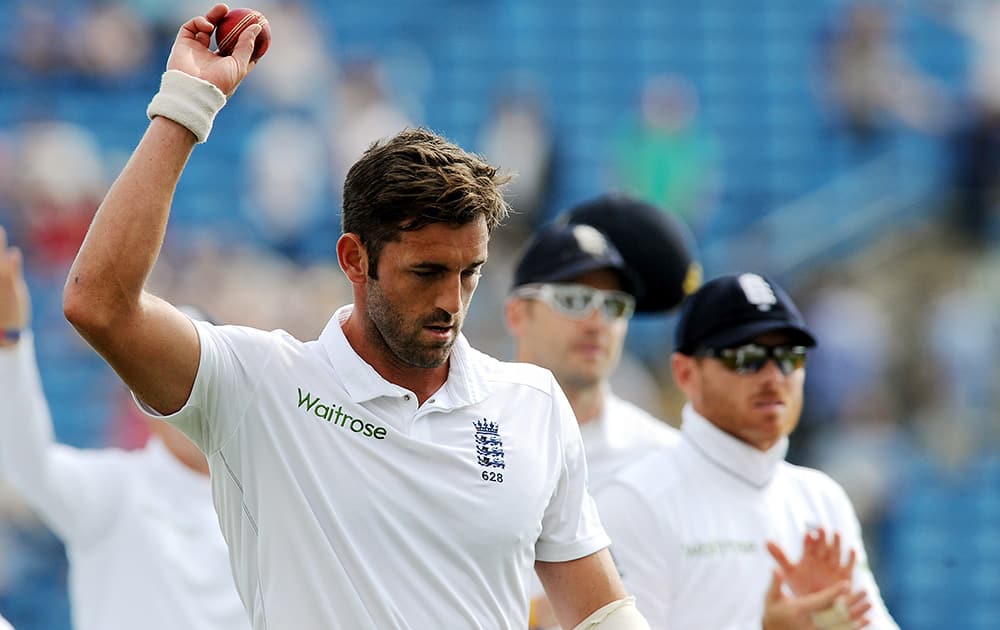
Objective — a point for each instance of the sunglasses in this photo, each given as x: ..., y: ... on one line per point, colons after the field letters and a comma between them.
x: 751, y: 358
x: 578, y: 301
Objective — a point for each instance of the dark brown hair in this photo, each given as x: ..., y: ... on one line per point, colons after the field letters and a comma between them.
x: 413, y: 179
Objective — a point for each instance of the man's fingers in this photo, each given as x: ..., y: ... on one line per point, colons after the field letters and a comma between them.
x: 823, y: 550
x: 202, y: 25
x: 245, y: 44
x: 205, y: 24
x: 774, y: 593
x: 852, y: 558
x: 821, y: 600
x: 858, y: 605
x: 203, y: 38
x: 216, y: 13
x: 16, y: 260
x: 809, y: 543
x: 779, y: 556
x: 837, y: 547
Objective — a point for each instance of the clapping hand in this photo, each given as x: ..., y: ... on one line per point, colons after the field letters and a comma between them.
x: 820, y: 565
x: 820, y: 584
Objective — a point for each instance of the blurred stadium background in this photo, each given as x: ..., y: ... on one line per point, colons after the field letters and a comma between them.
x: 850, y: 150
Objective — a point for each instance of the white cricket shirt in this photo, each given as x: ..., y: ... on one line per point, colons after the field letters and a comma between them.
x: 4, y: 624
x: 620, y: 435
x: 141, y: 535
x: 348, y: 506
x: 689, y: 526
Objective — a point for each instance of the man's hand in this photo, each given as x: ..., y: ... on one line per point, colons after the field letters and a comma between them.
x: 782, y: 612
x: 820, y: 565
x: 15, y: 306
x: 191, y: 55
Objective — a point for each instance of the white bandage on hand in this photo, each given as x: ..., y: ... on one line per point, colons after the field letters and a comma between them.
x: 620, y: 614
x: 835, y: 617
x: 188, y: 101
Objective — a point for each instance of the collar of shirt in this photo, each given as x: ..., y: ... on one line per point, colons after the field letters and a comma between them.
x: 466, y: 383
x: 598, y: 430
x: 729, y: 453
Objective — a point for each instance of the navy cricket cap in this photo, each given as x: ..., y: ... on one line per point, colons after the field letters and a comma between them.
x: 560, y: 253
x: 731, y: 310
x: 655, y: 244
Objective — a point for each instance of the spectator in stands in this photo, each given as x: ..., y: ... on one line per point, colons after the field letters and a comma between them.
x: 140, y: 531
x: 666, y: 157
x: 302, y: 71
x: 39, y: 41
x: 365, y: 112
x: 519, y: 139
x: 959, y: 422
x: 286, y: 189
x: 95, y: 52
x: 869, y: 82
x: 58, y: 182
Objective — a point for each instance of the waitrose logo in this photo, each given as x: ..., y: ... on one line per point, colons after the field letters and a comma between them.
x: 314, y: 405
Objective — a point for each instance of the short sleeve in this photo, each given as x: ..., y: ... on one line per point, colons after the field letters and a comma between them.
x: 571, y: 528
x: 232, y: 362
x: 639, y: 550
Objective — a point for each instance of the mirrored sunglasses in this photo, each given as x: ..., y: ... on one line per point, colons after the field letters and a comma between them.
x: 751, y: 358
x: 578, y: 301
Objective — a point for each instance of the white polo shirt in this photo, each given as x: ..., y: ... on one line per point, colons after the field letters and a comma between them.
x: 346, y: 505
x: 621, y: 435
x: 4, y: 624
x: 689, y: 526
x: 141, y: 535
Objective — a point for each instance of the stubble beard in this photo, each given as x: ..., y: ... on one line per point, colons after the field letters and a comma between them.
x: 389, y: 326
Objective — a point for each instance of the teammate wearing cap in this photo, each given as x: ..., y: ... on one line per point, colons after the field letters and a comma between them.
x: 568, y: 311
x: 143, y: 540
x: 699, y: 526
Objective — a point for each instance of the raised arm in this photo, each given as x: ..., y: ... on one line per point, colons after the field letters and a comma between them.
x: 74, y: 492
x: 151, y: 345
x: 25, y: 429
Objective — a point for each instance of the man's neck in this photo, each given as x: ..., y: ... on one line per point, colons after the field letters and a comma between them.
x: 587, y: 402
x: 421, y: 381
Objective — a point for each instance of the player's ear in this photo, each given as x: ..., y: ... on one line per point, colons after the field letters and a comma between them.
x: 682, y: 367
x: 353, y: 258
x: 514, y: 314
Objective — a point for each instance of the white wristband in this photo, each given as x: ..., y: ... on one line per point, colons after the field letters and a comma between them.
x: 188, y: 101
x: 620, y: 614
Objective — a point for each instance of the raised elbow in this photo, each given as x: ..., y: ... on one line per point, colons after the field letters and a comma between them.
x: 83, y: 309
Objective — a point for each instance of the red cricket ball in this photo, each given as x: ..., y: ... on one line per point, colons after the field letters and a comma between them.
x: 227, y: 32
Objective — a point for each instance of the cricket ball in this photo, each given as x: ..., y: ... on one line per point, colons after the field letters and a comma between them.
x: 227, y: 32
